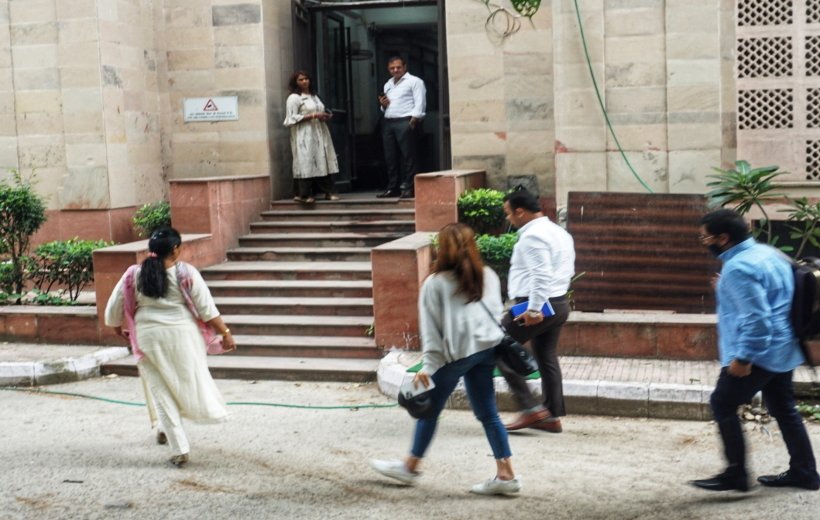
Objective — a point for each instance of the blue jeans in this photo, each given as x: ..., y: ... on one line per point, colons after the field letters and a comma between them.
x: 778, y: 395
x: 477, y: 371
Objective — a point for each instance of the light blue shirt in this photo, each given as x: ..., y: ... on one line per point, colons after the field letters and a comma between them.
x: 754, y: 298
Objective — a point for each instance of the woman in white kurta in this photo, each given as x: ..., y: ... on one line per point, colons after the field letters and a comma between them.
x: 314, y: 158
x: 168, y: 344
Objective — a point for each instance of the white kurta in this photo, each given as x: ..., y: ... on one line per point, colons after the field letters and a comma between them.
x: 310, y: 142
x: 174, y: 349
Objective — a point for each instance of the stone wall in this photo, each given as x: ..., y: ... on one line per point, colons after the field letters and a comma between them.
x: 91, y: 95
x: 527, y: 105
x: 501, y: 97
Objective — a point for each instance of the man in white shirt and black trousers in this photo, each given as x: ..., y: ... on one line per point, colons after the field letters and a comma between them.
x: 541, y: 268
x: 403, y: 102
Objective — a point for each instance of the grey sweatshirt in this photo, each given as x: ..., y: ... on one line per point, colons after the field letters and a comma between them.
x: 451, y: 328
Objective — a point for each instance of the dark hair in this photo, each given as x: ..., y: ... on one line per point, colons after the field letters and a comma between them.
x: 726, y: 221
x: 153, y: 281
x: 294, y: 87
x: 522, y: 198
x: 457, y: 252
x: 391, y: 59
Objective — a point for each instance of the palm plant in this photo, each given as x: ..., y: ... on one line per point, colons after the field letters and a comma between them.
x: 804, y: 223
x: 745, y: 187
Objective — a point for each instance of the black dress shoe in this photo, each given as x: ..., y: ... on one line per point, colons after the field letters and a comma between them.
x: 388, y: 193
x: 723, y: 482
x: 406, y: 194
x: 786, y: 479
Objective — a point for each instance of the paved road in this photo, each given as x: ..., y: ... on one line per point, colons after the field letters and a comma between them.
x: 64, y: 457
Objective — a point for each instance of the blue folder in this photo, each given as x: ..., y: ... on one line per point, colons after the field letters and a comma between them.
x: 520, y: 308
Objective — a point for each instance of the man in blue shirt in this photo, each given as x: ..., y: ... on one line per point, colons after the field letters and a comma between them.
x: 758, y: 351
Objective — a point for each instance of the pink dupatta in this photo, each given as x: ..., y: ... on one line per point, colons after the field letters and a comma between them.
x: 213, y: 341
x: 130, y: 310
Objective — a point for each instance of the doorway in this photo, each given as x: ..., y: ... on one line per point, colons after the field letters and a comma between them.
x: 346, y: 45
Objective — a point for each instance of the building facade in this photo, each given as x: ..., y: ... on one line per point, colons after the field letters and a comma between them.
x: 92, y: 93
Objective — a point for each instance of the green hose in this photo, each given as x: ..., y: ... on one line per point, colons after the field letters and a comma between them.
x: 233, y: 403
x: 601, y: 101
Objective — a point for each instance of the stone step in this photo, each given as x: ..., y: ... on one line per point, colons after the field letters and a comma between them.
x: 345, y: 213
x: 307, y: 254
x: 345, y: 203
x: 303, y: 325
x: 307, y: 346
x: 292, y: 288
x: 295, y: 306
x: 317, y: 240
x: 272, y: 367
x: 288, y: 271
x: 335, y: 226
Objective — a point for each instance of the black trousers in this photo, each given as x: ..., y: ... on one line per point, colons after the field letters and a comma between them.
x: 543, y: 339
x: 399, y: 141
x: 778, y: 395
x: 314, y: 185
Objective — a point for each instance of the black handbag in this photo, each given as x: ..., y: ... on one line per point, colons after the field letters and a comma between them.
x: 512, y: 353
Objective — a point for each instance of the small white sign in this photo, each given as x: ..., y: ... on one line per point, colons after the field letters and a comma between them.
x: 220, y: 108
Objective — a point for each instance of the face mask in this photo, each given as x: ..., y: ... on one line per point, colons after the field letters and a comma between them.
x: 714, y: 249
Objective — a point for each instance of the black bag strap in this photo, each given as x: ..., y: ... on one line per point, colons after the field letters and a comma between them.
x: 492, y: 317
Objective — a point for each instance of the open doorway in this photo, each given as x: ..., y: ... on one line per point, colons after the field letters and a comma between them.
x: 346, y: 45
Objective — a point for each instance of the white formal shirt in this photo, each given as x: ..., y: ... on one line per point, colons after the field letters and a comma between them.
x: 408, y: 97
x: 542, y: 263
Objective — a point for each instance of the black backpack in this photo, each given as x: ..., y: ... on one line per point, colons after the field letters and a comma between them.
x: 805, y: 315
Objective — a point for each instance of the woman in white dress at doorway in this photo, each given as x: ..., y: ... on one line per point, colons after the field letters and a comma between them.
x: 314, y: 158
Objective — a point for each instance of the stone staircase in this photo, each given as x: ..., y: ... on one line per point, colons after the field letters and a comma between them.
x: 297, y: 291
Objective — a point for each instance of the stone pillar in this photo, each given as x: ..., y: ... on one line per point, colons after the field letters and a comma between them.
x: 437, y: 196
x: 399, y: 268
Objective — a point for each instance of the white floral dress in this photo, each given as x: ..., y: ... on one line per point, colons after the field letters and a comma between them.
x: 310, y: 142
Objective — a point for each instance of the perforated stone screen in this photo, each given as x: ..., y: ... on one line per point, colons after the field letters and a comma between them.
x: 764, y: 12
x: 778, y: 85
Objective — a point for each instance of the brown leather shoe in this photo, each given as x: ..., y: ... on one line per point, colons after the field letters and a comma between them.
x: 526, y: 420
x: 549, y: 426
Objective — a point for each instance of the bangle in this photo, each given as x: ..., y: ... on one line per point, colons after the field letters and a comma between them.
x: 225, y: 332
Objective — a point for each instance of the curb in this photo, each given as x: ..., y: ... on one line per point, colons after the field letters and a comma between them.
x: 63, y: 370
x: 583, y: 397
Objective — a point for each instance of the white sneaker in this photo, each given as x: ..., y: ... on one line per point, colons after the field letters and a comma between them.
x: 394, y: 469
x: 495, y: 486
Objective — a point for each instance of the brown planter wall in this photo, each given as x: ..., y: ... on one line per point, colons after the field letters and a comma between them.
x: 640, y: 251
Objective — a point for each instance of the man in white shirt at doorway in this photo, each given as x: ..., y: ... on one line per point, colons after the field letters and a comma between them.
x: 403, y: 102
x: 541, y: 269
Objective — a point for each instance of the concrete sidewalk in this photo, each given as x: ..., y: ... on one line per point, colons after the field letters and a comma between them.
x: 34, y: 364
x: 656, y: 388
x: 628, y: 387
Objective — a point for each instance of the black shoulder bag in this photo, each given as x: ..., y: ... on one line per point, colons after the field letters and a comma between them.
x: 511, y: 352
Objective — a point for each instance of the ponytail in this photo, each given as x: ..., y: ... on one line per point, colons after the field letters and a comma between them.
x: 153, y: 281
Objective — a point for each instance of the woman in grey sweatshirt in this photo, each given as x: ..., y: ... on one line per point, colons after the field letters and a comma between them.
x: 458, y: 336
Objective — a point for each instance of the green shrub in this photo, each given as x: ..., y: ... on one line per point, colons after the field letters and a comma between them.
x: 496, y: 251
x: 22, y: 212
x: 151, y: 216
x: 64, y: 263
x: 6, y: 276
x: 482, y: 209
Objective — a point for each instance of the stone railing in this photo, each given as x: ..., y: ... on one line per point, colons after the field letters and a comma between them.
x: 399, y: 267
x: 211, y: 213
x: 437, y: 196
